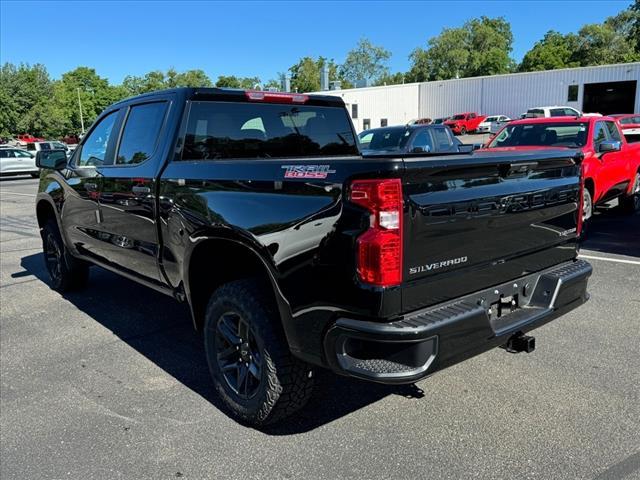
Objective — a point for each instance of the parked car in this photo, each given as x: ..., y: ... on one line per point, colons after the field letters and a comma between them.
x: 630, y: 124
x: 293, y: 251
x: 553, y: 111
x: 421, y: 121
x: 485, y: 125
x: 409, y: 139
x: 37, y: 146
x: 25, y: 138
x: 438, y: 121
x: 463, y: 123
x: 611, y: 166
x: 16, y: 161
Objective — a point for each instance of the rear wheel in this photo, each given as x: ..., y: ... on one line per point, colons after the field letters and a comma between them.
x: 249, y: 359
x: 587, y: 206
x: 631, y: 203
x: 65, y: 272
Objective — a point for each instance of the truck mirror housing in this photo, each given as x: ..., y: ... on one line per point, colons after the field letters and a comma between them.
x: 610, y: 146
x: 51, y: 159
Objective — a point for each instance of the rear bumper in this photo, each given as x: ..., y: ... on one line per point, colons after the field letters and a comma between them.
x: 423, y: 342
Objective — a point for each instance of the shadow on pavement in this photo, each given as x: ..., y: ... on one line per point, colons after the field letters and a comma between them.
x: 160, y: 328
x: 612, y: 231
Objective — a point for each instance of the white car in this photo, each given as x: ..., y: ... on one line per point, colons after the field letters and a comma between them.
x: 485, y: 125
x: 16, y: 161
x: 35, y: 147
x: 553, y: 111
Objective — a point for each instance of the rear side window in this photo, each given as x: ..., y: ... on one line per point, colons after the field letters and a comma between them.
x: 614, y: 134
x: 141, y: 132
x: 31, y: 147
x: 224, y: 130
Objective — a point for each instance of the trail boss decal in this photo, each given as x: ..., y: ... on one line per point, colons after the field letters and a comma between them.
x: 307, y: 171
x: 435, y: 266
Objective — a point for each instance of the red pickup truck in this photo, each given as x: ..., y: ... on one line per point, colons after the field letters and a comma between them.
x: 611, y: 166
x: 463, y: 123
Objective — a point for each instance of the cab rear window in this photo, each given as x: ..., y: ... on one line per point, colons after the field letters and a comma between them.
x: 227, y: 130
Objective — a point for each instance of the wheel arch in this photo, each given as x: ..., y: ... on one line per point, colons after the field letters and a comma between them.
x: 216, y: 259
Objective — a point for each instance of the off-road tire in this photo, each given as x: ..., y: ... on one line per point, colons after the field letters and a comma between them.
x: 66, y: 273
x: 285, y: 383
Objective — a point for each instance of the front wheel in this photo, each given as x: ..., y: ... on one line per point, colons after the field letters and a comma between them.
x: 631, y: 203
x: 65, y: 272
x: 463, y: 131
x: 249, y: 359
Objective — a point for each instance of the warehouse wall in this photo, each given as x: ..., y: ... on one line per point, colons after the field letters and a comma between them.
x: 397, y: 103
x: 501, y: 94
x: 513, y: 94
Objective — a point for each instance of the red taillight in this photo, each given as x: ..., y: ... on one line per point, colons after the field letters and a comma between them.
x: 380, y: 247
x: 275, y: 97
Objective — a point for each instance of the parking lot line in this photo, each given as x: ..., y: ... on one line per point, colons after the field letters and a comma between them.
x: 609, y: 259
x: 16, y: 193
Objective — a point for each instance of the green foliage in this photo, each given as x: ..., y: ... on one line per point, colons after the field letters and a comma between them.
x: 555, y: 50
x: 247, y: 83
x: 617, y: 40
x: 480, y: 47
x: 366, y: 61
x: 158, y: 80
x: 305, y: 75
x: 391, y: 79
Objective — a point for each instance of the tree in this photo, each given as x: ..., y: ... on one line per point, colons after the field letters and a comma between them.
x: 158, y: 80
x: 305, y: 75
x: 553, y: 51
x: 480, y: 47
x: 397, y: 78
x: 231, y: 81
x: 600, y: 44
x: 365, y: 62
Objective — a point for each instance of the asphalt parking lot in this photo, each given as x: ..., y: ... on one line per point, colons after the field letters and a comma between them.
x: 112, y: 383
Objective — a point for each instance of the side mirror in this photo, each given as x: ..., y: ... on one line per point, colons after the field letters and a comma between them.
x: 51, y: 159
x: 609, y: 146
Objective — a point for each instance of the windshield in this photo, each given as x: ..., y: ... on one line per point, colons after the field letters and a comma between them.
x: 384, y: 138
x: 219, y: 130
x: 572, y: 135
x: 458, y: 117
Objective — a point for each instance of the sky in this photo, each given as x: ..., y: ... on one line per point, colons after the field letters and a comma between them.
x: 255, y: 38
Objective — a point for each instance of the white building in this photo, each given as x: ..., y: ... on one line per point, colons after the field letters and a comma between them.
x: 604, y: 89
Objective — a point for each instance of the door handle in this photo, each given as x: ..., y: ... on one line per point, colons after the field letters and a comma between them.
x: 140, y: 190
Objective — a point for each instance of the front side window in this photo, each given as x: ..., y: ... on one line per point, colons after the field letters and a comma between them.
x: 599, y: 134
x: 558, y: 112
x: 22, y: 154
x: 94, y: 149
x: 614, y: 134
x: 224, y: 130
x: 141, y: 132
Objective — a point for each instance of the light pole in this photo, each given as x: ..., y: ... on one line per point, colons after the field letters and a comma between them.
x: 80, y: 105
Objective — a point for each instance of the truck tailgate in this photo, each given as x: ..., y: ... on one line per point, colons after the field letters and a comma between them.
x: 476, y: 221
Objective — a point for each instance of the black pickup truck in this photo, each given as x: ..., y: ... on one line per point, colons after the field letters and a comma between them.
x: 293, y: 250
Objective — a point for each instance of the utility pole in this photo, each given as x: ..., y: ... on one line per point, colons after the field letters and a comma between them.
x: 80, y: 105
